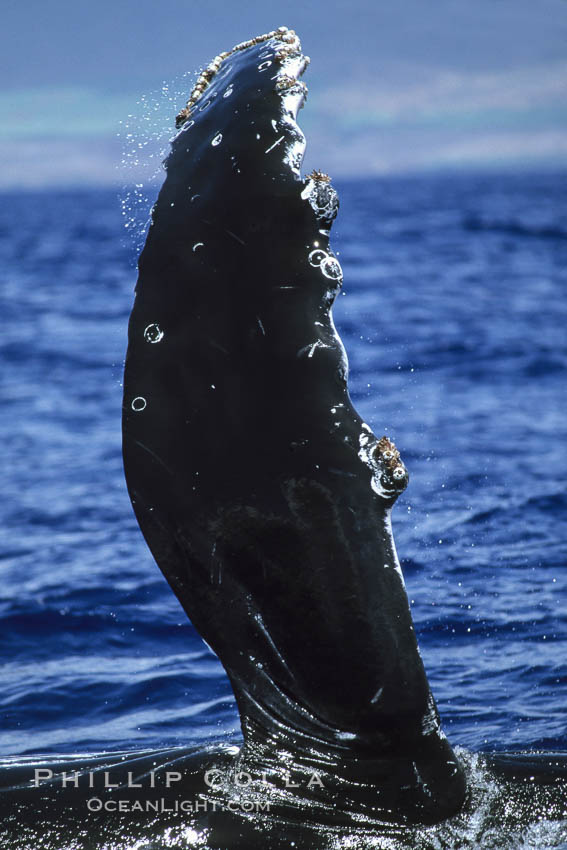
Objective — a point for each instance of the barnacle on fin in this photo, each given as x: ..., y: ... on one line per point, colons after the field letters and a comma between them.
x: 389, y: 458
x: 319, y: 176
x: 321, y: 195
x: 387, y: 452
x: 286, y: 82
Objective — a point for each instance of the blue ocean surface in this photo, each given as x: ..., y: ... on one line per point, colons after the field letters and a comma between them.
x: 454, y: 317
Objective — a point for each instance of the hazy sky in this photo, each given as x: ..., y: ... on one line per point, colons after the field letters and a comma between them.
x: 394, y: 85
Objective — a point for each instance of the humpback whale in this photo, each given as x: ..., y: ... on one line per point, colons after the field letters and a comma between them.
x: 266, y: 502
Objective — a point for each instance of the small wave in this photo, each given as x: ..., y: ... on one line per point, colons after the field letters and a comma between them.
x: 514, y: 228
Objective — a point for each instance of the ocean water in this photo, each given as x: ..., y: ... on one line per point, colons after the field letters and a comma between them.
x: 454, y: 317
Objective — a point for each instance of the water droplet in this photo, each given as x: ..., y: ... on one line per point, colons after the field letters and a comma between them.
x: 399, y: 473
x: 316, y: 257
x: 264, y: 65
x: 229, y: 91
x: 205, y: 105
x: 331, y: 268
x: 194, y: 198
x: 217, y: 140
x: 198, y: 245
x: 139, y: 403
x: 153, y: 333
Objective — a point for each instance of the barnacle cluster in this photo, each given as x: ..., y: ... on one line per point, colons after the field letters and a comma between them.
x: 319, y: 176
x: 290, y: 46
x: 386, y: 452
x: 285, y: 82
